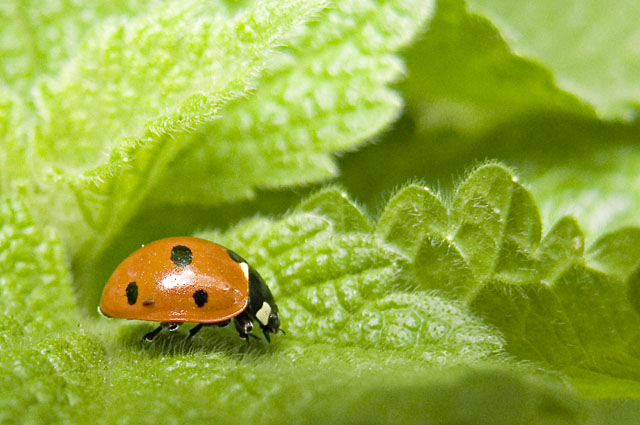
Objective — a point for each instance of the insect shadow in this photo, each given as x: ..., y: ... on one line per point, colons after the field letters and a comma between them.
x: 209, y: 340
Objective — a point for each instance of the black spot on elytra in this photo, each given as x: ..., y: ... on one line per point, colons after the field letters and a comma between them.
x: 181, y: 255
x: 200, y: 297
x: 235, y: 257
x: 132, y: 293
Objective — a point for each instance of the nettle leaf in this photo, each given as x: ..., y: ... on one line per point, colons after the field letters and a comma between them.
x: 35, y: 292
x: 326, y: 91
x: 363, y: 336
x: 463, y: 74
x: 137, y: 79
x: 490, y: 230
x: 347, y: 313
x: 343, y: 287
x: 37, y: 38
x: 598, y: 61
x: 416, y: 221
x: 595, y: 182
x: 561, y: 247
x: 59, y: 379
x: 128, y: 100
x: 326, y: 389
x: 617, y: 253
x: 552, y: 304
x: 496, y: 224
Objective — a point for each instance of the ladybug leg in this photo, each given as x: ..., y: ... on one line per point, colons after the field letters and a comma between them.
x: 151, y: 335
x: 194, y: 330
x: 173, y: 326
x: 164, y: 325
x: 243, y: 324
x: 223, y: 324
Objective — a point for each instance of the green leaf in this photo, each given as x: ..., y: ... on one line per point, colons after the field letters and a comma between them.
x: 590, y: 47
x: 531, y: 319
x: 595, y: 181
x: 617, y: 253
x: 34, y: 282
x: 56, y: 379
x: 334, y: 203
x: 344, y: 309
x: 582, y: 324
x: 327, y: 91
x: 127, y: 102
x: 341, y: 272
x: 155, y: 75
x: 543, y: 296
x: 495, y: 224
x: 452, y: 307
x: 463, y: 75
x: 36, y: 38
x: 561, y: 248
x: 412, y: 214
x: 634, y: 290
x: 359, y: 339
x: 416, y: 222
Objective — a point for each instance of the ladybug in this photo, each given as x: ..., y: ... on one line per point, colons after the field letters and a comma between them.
x: 185, y: 279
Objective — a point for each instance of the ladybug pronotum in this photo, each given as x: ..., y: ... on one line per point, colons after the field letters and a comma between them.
x: 184, y: 279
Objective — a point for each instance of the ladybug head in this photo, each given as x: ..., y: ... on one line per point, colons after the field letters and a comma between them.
x: 268, y: 318
x: 273, y: 324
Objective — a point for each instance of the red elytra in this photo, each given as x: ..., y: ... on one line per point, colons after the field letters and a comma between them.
x: 166, y: 281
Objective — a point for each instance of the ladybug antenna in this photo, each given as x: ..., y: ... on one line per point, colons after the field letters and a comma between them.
x: 283, y: 332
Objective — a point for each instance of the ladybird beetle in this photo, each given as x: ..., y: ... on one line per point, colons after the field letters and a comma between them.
x: 185, y: 279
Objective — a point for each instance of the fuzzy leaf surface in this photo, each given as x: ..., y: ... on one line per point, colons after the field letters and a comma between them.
x: 129, y: 99
x: 554, y: 305
x: 597, y: 59
x: 366, y: 340
x: 327, y: 91
x: 35, y: 288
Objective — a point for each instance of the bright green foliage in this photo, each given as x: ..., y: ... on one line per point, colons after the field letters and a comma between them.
x: 590, y: 47
x: 159, y: 90
x: 326, y: 388
x: 617, y: 253
x: 156, y: 75
x: 362, y: 343
x: 44, y: 378
x: 491, y: 230
x: 470, y: 97
x: 451, y: 306
x: 550, y: 307
x: 634, y: 290
x: 36, y: 38
x: 53, y: 379
x: 34, y: 286
x: 333, y: 203
x: 342, y: 272
x: 327, y: 91
x: 134, y: 110
x: 425, y: 327
x: 410, y: 215
x: 596, y: 182
x: 462, y: 74
x: 126, y: 103
x: 495, y: 223
x: 561, y: 248
x: 416, y: 221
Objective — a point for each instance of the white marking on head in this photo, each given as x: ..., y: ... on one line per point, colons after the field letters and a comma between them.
x: 263, y: 314
x: 245, y: 269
